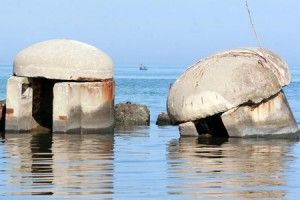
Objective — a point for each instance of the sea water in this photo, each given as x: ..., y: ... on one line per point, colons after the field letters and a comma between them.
x: 148, y: 162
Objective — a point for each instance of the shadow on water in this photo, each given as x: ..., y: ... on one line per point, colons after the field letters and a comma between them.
x: 61, y: 165
x: 228, y: 168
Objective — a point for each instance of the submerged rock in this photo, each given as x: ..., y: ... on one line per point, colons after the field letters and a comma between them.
x: 226, y: 81
x: 130, y: 114
x: 163, y: 119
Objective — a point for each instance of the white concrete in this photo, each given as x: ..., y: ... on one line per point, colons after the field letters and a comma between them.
x: 19, y: 105
x: 85, y: 107
x: 64, y: 60
x: 66, y: 107
x: 97, y: 105
x: 224, y: 81
x: 273, y: 117
x: 188, y: 129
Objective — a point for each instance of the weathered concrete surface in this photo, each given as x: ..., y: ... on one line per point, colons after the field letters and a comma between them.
x: 128, y: 114
x: 224, y: 81
x: 87, y: 107
x: 272, y: 117
x: 2, y: 114
x: 66, y: 107
x: 163, y: 119
x: 97, y: 106
x: 64, y: 60
x: 19, y: 105
x: 188, y: 129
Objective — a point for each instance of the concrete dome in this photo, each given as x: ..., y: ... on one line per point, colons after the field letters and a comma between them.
x: 64, y: 60
x: 224, y: 81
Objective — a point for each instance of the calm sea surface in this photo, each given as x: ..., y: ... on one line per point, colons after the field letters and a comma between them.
x: 148, y: 162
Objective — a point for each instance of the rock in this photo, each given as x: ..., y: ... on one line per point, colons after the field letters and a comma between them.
x: 130, y: 114
x: 2, y: 115
x: 271, y: 117
x: 83, y: 107
x: 235, y: 93
x: 224, y: 81
x: 163, y: 119
x: 63, y: 60
x: 188, y: 129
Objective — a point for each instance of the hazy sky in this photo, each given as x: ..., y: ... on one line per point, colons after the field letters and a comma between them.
x: 175, y: 32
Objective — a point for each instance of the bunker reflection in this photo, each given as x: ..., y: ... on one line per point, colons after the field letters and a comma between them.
x: 45, y: 164
x: 233, y: 168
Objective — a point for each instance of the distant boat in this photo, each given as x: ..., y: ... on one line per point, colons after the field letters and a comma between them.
x: 143, y: 67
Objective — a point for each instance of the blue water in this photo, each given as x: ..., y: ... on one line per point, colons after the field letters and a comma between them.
x: 148, y: 162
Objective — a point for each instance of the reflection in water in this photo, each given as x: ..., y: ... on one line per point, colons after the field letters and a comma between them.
x: 236, y: 168
x: 41, y: 164
x: 60, y: 164
x: 141, y: 166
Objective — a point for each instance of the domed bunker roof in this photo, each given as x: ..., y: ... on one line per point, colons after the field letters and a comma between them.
x: 224, y: 81
x: 64, y: 60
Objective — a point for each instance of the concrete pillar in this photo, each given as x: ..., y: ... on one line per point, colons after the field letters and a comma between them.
x: 66, y: 107
x: 97, y: 106
x: 272, y: 117
x: 19, y: 105
x: 86, y: 106
x: 188, y: 129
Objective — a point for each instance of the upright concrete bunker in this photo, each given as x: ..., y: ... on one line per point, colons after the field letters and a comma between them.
x: 236, y: 93
x: 61, y: 86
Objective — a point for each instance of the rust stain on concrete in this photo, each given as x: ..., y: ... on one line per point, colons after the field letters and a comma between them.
x: 62, y: 118
x: 93, y: 89
x: 93, y: 79
x: 9, y: 111
x: 108, y: 90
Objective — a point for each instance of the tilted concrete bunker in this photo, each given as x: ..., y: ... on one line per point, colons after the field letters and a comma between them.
x: 62, y: 86
x: 234, y: 93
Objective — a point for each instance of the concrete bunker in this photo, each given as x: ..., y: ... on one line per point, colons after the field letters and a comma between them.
x: 61, y: 86
x: 236, y: 93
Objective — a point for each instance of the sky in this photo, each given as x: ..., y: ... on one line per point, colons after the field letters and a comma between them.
x: 153, y: 32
